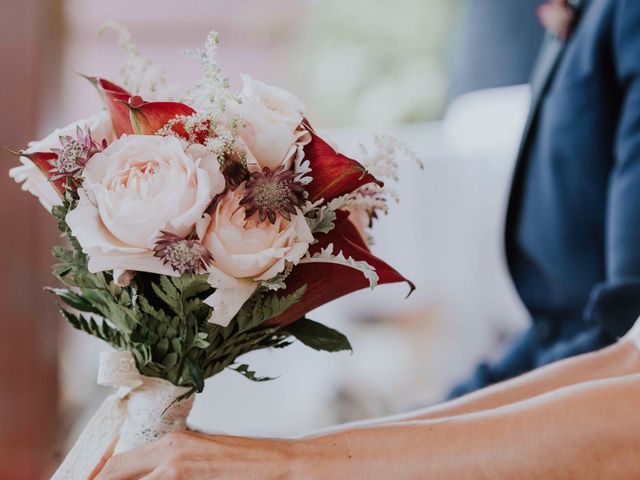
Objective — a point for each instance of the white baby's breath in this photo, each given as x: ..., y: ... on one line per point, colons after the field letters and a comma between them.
x: 382, y: 160
x: 140, y: 75
x: 212, y: 93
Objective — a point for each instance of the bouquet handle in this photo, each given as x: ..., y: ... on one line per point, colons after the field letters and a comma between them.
x: 141, y: 411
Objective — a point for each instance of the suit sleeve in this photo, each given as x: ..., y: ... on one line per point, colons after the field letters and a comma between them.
x: 614, y: 305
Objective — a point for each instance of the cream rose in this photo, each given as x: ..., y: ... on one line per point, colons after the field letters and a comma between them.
x: 138, y: 186
x: 246, y: 251
x: 272, y: 116
x: 34, y: 180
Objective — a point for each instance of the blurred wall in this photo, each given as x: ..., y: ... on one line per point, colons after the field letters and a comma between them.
x: 29, y: 54
x: 376, y: 62
x: 496, y: 45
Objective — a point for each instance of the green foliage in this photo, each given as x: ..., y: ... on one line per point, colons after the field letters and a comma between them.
x: 249, y: 374
x: 322, y: 220
x: 163, y: 320
x: 265, y: 307
x: 318, y: 336
x: 98, y: 329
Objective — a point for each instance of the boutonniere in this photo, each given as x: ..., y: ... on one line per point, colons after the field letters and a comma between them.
x: 557, y: 17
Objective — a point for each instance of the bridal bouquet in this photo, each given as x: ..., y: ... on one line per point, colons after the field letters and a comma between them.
x: 197, y: 231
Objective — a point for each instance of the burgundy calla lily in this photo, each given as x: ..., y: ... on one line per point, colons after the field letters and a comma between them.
x: 43, y: 160
x: 333, y: 174
x: 327, y: 281
x: 115, y: 100
x: 149, y: 117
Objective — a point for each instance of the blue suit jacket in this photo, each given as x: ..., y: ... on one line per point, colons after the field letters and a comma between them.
x: 573, y: 221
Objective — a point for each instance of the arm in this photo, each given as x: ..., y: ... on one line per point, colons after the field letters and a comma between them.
x: 587, y: 431
x: 617, y: 360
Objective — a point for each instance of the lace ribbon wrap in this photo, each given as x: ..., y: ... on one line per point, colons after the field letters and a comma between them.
x: 143, y: 410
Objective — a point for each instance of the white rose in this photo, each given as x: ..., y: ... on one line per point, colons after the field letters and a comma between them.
x: 138, y: 186
x: 246, y: 251
x: 34, y: 180
x: 272, y: 116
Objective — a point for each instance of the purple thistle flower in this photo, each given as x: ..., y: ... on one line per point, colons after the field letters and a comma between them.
x: 269, y: 193
x: 73, y: 155
x: 183, y: 255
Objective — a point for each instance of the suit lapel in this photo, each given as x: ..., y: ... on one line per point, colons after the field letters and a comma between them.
x: 545, y: 66
x: 543, y: 73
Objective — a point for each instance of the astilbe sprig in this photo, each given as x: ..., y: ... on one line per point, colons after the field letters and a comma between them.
x: 140, y: 75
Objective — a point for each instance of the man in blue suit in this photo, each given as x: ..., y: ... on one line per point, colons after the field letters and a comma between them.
x: 573, y: 221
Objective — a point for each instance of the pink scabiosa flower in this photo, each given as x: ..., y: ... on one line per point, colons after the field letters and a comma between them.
x: 272, y: 192
x: 183, y: 255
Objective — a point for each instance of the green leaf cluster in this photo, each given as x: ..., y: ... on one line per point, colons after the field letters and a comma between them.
x: 163, y: 320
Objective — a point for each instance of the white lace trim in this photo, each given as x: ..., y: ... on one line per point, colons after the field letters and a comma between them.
x: 143, y: 411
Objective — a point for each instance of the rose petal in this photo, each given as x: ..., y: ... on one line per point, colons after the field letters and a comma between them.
x: 295, y: 252
x: 231, y: 293
x: 104, y: 250
x: 122, y: 278
x: 326, y: 281
x: 270, y: 118
x: 333, y: 174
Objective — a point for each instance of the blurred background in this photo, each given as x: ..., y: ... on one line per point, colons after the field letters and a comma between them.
x: 446, y: 76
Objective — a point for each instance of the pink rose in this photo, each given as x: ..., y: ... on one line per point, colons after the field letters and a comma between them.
x: 138, y: 186
x: 246, y: 251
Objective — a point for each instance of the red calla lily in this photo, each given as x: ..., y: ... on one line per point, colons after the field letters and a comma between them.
x: 333, y: 174
x: 115, y: 100
x: 327, y: 281
x: 42, y: 161
x: 149, y: 117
